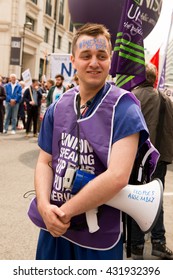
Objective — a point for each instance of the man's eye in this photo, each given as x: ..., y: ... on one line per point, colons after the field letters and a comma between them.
x: 86, y: 56
x: 102, y: 57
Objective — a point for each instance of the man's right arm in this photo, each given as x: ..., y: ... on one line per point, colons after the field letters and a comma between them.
x: 43, y: 182
x: 48, y: 98
x: 8, y: 95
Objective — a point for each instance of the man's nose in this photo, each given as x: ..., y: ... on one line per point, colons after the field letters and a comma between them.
x: 94, y: 62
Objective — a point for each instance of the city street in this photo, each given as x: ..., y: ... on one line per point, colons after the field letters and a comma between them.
x: 18, y: 159
x: 18, y: 236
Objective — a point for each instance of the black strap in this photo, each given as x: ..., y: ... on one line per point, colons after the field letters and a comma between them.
x: 160, y: 121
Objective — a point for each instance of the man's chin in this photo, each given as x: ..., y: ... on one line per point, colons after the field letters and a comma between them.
x: 96, y: 84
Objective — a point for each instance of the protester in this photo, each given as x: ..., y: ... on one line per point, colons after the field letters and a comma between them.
x: 49, y: 84
x: 2, y: 110
x: 5, y: 80
x: 75, y: 82
x: 57, y: 90
x: 32, y: 97
x: 97, y: 128
x: 42, y: 86
x: 13, y: 97
x: 159, y: 118
x: 21, y: 111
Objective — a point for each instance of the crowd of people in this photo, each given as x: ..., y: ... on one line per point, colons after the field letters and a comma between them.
x: 20, y: 107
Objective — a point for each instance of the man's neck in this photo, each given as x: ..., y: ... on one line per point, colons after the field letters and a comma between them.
x: 59, y: 86
x: 88, y: 94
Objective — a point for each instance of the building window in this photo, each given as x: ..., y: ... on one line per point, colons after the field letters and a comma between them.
x: 34, y: 1
x: 61, y: 12
x: 28, y: 19
x: 59, y: 42
x: 69, y: 47
x: 46, y: 35
x: 41, y: 69
x: 71, y: 27
x: 48, y: 7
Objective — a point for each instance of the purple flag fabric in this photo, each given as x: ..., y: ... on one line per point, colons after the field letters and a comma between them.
x: 128, y: 61
x: 161, y: 84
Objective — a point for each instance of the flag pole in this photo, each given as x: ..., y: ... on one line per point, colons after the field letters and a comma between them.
x: 162, y: 72
x: 44, y: 65
x: 32, y: 99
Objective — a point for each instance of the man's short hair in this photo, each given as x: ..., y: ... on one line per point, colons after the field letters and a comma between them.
x: 75, y: 77
x: 13, y: 75
x: 34, y: 80
x: 51, y: 82
x: 59, y: 76
x: 91, y: 29
x: 151, y: 73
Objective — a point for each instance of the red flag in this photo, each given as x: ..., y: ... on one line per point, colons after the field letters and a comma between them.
x: 155, y: 60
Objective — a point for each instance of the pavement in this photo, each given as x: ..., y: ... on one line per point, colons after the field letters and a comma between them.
x: 18, y: 236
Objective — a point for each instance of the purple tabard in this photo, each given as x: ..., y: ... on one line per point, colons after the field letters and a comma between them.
x: 95, y: 141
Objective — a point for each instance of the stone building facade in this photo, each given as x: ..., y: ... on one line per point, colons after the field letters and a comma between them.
x: 30, y: 30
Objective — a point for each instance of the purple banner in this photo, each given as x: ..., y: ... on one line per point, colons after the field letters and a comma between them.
x: 128, y: 59
x: 108, y: 12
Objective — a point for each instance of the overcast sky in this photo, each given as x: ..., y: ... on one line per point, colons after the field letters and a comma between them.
x: 158, y: 36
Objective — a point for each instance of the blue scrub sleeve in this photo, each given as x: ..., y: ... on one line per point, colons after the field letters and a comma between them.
x: 128, y: 120
x: 46, y: 130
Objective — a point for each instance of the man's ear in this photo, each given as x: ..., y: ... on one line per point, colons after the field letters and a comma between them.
x: 72, y: 58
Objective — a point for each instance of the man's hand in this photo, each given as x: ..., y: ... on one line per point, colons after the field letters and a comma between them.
x: 53, y: 219
x: 12, y: 102
x: 32, y: 103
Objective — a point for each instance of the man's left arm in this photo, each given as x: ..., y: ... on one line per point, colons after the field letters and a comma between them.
x: 109, y: 183
x: 18, y: 96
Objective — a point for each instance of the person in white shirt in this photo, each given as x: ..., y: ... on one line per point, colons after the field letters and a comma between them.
x: 56, y: 91
x: 13, y: 97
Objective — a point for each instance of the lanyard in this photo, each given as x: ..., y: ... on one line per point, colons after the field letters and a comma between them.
x: 85, y: 107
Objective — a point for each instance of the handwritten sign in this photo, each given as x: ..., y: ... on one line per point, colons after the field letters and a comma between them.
x: 26, y: 75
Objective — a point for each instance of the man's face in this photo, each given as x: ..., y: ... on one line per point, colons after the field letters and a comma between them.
x: 35, y: 85
x: 49, y: 85
x: 58, y: 82
x: 13, y: 79
x: 92, y: 60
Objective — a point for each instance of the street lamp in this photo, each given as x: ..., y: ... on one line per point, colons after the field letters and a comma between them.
x: 27, y: 25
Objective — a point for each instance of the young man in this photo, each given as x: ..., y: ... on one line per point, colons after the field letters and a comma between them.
x: 57, y: 90
x: 95, y: 127
x: 32, y: 97
x: 13, y: 97
x: 2, y: 109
